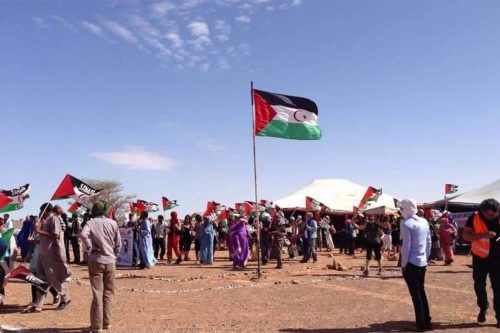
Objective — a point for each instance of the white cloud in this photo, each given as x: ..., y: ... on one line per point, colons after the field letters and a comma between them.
x: 161, y: 8
x: 175, y: 39
x: 122, y: 32
x: 199, y: 30
x: 223, y: 30
x: 150, y: 35
x: 137, y: 158
x: 40, y: 21
x: 93, y: 28
x: 242, y: 18
x: 64, y: 22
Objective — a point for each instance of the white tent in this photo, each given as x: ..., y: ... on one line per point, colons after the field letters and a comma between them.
x: 341, y: 195
x: 475, y: 197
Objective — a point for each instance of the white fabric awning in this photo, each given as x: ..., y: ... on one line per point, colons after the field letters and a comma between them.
x: 338, y: 194
x: 475, y: 197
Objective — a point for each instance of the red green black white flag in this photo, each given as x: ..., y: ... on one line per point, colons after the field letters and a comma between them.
x: 72, y: 187
x: 315, y: 205
x: 16, y: 196
x: 4, y: 200
x: 144, y: 206
x: 168, y: 204
x: 283, y: 116
x: 450, y: 189
x: 78, y: 208
x: 371, y: 195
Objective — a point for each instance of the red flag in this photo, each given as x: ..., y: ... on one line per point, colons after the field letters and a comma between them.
x: 211, y: 208
x: 248, y: 207
x: 428, y: 213
x: 133, y: 207
x: 223, y: 215
x: 141, y: 206
x: 22, y: 273
x: 4, y: 200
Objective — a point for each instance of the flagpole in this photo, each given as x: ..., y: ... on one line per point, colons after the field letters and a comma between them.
x: 255, y: 182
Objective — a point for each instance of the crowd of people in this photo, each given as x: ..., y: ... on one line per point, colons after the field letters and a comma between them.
x: 407, y: 237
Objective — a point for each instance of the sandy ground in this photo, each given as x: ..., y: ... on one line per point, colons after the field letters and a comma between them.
x: 299, y: 298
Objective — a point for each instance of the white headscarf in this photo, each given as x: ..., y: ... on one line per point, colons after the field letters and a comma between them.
x: 408, y: 208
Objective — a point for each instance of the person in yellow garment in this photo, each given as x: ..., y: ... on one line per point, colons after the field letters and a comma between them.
x: 483, y: 231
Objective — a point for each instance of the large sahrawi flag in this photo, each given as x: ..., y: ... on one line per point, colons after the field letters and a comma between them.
x: 17, y: 197
x: 287, y: 117
x: 72, y: 187
x: 4, y: 200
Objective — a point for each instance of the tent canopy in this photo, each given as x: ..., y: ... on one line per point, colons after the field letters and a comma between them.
x: 475, y: 197
x: 341, y: 195
x: 381, y: 210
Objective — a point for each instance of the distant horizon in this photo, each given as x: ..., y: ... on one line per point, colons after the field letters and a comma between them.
x: 64, y: 203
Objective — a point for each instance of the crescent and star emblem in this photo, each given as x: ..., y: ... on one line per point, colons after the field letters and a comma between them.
x: 301, y: 118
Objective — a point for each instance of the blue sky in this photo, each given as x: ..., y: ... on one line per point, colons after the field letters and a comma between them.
x: 156, y: 95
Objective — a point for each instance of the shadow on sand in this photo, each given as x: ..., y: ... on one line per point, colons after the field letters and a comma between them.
x: 389, y: 326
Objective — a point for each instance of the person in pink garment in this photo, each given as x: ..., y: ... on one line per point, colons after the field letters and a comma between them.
x: 447, y: 234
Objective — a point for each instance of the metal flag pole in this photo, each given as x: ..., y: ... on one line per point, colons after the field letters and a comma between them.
x: 255, y: 183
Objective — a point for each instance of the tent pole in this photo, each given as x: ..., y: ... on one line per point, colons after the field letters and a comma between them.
x: 256, y: 207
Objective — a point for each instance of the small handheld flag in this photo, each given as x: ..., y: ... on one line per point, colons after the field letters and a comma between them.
x: 72, y: 187
x: 168, y: 204
x: 78, y: 208
x: 371, y: 195
x: 450, y: 189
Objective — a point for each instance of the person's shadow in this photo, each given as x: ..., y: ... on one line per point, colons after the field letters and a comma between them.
x: 389, y: 326
x: 8, y: 329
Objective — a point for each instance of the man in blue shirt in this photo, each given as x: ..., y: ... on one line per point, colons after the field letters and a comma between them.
x: 414, y: 255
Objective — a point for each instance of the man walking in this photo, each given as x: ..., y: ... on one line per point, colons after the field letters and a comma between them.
x: 102, y: 238
x: 414, y: 255
x: 311, y: 233
x: 52, y: 266
x: 482, y: 230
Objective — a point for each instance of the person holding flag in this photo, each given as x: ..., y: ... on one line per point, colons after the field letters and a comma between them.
x: 52, y: 266
x: 33, y: 267
x: 239, y: 242
x: 8, y: 254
